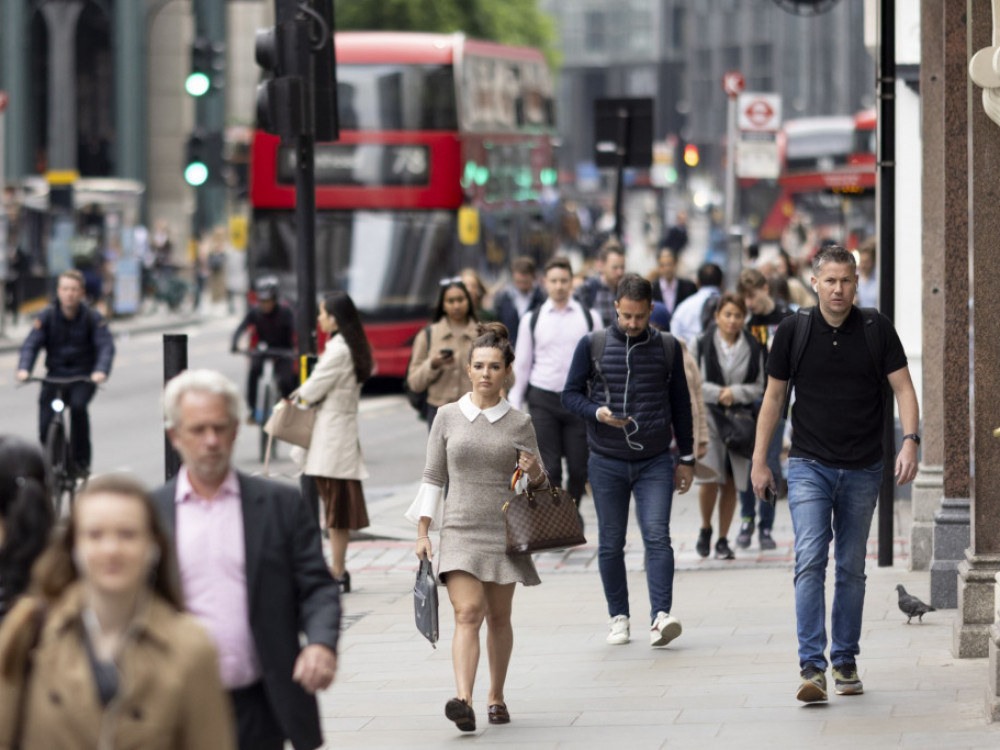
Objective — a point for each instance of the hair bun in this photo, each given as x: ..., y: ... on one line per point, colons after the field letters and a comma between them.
x: 495, y: 328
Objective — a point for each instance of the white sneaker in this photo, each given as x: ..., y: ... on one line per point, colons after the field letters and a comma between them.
x: 619, y: 631
x: 665, y: 628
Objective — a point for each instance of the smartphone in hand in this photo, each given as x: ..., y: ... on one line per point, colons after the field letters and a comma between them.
x: 770, y: 496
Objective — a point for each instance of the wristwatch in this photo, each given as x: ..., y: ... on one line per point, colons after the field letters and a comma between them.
x: 685, y: 461
x: 912, y: 436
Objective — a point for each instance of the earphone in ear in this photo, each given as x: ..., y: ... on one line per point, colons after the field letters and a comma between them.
x: 815, y: 287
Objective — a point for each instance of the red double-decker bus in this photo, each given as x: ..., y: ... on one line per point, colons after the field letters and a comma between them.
x: 430, y: 123
x: 827, y: 172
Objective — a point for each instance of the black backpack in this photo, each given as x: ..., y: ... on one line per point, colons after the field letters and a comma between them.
x: 708, y: 310
x: 418, y: 400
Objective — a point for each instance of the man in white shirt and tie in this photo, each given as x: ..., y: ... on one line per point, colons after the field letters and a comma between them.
x: 669, y: 288
x: 547, y: 338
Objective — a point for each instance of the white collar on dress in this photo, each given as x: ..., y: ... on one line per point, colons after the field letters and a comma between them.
x: 471, y: 411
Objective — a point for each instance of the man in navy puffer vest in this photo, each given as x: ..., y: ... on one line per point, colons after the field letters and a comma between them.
x: 634, y: 403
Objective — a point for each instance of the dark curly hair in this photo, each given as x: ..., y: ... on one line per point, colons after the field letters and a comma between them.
x: 493, y: 336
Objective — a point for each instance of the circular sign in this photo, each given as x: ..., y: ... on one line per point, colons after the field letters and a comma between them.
x: 759, y: 113
x: 733, y: 83
x: 4, y: 99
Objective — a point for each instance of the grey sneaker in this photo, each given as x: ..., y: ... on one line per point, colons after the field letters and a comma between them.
x: 618, y: 634
x: 846, y: 680
x: 766, y: 542
x: 665, y: 628
x: 746, y: 533
x: 812, y: 689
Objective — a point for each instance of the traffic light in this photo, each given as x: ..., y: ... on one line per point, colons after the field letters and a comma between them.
x: 283, y: 51
x: 204, y: 162
x: 691, y: 156
x: 208, y: 65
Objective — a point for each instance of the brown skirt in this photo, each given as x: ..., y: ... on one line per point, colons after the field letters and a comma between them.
x: 343, y: 503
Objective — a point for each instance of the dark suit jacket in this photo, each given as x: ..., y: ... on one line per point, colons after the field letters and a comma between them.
x: 685, y: 288
x: 290, y: 591
x: 506, y: 309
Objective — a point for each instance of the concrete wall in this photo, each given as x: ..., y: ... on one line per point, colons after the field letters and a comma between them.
x: 171, y: 117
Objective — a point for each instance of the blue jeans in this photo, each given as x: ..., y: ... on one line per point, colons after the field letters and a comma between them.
x: 827, y: 504
x: 651, y: 480
x: 747, y: 497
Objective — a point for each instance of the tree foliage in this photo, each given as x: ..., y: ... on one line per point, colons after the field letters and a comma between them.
x: 519, y: 22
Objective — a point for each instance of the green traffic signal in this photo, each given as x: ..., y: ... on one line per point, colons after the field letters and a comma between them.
x: 197, y: 84
x: 196, y: 173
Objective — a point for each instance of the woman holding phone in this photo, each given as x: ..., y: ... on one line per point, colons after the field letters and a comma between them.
x: 438, y: 362
x: 473, y: 447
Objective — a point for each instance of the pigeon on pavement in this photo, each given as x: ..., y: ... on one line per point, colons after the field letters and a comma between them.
x: 912, y: 607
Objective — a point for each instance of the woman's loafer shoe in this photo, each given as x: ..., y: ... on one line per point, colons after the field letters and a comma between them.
x: 460, y: 712
x: 498, y: 714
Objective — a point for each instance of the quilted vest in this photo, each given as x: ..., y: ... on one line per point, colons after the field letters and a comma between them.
x: 637, y: 375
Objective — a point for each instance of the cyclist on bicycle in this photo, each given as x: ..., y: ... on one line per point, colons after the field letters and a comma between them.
x: 274, y: 325
x: 77, y: 342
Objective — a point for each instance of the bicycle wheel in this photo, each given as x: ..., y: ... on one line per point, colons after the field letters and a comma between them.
x: 57, y: 452
x: 266, y: 402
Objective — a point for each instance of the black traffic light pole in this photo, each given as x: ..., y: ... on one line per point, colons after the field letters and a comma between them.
x: 300, y: 106
x: 887, y: 252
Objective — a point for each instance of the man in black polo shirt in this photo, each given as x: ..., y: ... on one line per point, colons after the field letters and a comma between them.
x: 835, y: 464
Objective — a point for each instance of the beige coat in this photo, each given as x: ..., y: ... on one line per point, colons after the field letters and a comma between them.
x: 698, y: 410
x: 170, y: 698
x: 451, y: 381
x: 335, y: 450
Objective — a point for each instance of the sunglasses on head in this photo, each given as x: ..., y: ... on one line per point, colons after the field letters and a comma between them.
x: 452, y: 280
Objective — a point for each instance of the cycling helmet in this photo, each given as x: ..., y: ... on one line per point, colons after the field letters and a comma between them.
x: 267, y: 288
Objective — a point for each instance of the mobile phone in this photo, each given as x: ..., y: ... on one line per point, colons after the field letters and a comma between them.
x: 447, y: 352
x: 770, y: 496
x: 523, y: 449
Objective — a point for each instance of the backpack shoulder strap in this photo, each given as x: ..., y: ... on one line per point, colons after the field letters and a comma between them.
x: 669, y: 346
x: 800, y: 337
x: 533, y: 321
x: 873, y: 338
x: 598, y: 340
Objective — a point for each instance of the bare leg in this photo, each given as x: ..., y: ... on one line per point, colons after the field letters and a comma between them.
x: 338, y: 541
x: 499, y: 636
x: 706, y: 503
x: 727, y: 506
x: 469, y: 601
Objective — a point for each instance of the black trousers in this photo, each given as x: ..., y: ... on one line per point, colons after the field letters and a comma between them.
x: 560, y: 434
x: 257, y: 727
x: 76, y: 396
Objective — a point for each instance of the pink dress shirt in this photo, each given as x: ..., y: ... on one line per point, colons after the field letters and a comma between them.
x: 211, y: 552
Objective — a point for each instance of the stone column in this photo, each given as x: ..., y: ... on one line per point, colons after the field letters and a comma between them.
x: 951, y: 522
x: 929, y: 484
x: 977, y: 573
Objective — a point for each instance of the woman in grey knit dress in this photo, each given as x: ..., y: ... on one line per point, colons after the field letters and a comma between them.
x: 471, y: 450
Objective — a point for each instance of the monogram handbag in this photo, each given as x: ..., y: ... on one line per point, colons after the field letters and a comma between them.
x: 542, y: 519
x: 291, y: 423
x: 425, y: 602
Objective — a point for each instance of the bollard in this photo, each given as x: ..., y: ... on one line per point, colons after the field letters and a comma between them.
x: 175, y: 361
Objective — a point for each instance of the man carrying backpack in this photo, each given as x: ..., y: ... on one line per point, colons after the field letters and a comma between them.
x: 77, y: 342
x: 840, y: 360
x: 627, y: 383
x: 544, y: 349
